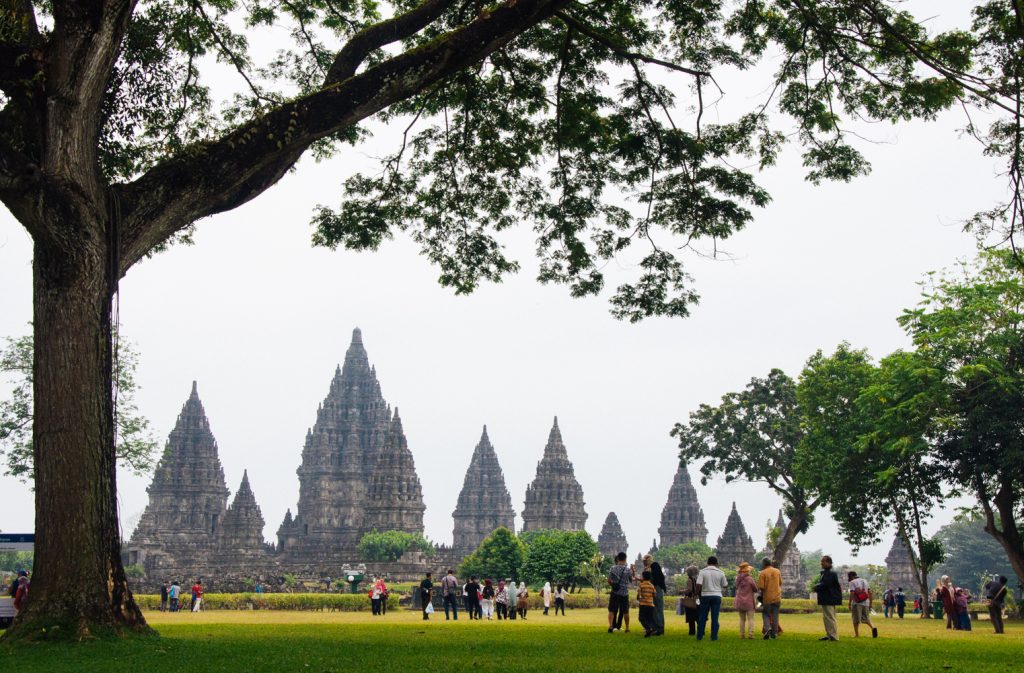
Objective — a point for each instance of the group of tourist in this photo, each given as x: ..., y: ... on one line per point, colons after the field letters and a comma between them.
x: 379, y: 596
x: 954, y: 602
x: 504, y: 600
x: 173, y: 599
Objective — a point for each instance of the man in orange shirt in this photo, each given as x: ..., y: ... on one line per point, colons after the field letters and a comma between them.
x: 769, y: 582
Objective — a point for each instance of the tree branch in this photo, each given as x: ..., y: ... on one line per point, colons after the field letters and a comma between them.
x: 213, y: 177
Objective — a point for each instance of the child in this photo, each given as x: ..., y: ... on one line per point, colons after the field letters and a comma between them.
x: 962, y: 600
x: 645, y: 596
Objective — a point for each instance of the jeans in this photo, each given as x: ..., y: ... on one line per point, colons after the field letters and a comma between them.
x: 560, y: 605
x: 450, y: 599
x: 708, y: 605
x: 770, y: 618
x: 174, y: 604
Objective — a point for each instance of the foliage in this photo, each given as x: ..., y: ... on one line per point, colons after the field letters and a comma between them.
x: 388, y: 546
x: 329, y: 602
x: 594, y: 572
x: 678, y: 557
x: 135, y: 570
x: 972, y: 555
x: 14, y: 561
x: 499, y: 556
x: 969, y: 333
x: 556, y: 555
x: 754, y: 435
x: 136, y: 447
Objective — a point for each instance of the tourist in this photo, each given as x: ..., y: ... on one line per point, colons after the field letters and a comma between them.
x: 511, y: 599
x: 769, y: 581
x: 327, y: 584
x: 163, y: 597
x: 259, y: 587
x: 173, y: 593
x: 487, y: 600
x: 860, y: 604
x: 901, y: 602
x: 449, y: 595
x: 619, y: 577
x: 645, y: 597
x: 501, y: 600
x: 545, y: 594
x: 21, y: 594
x: 746, y: 588
x: 426, y: 594
x: 384, y: 594
x: 12, y: 591
x: 962, y: 600
x: 688, y: 600
x: 522, y: 600
x: 995, y: 596
x: 948, y: 599
x: 658, y: 580
x: 472, y: 593
x: 830, y: 595
x: 560, y: 596
x: 375, y: 598
x: 197, y: 596
x: 711, y: 583
x: 889, y: 603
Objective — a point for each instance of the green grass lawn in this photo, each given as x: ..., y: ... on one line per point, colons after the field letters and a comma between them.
x: 400, y: 642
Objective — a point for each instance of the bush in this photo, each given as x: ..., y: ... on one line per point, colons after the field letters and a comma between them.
x: 304, y: 602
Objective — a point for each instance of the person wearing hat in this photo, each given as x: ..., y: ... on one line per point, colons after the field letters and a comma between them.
x: 746, y: 589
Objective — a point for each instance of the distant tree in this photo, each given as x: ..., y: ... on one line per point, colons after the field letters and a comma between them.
x: 754, y: 435
x: 969, y: 332
x: 594, y: 571
x: 499, y: 556
x: 971, y: 553
x: 13, y: 561
x: 388, y: 546
x: 556, y: 555
x: 871, y: 461
x: 136, y: 446
x: 678, y: 557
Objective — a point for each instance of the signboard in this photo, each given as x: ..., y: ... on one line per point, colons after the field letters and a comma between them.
x: 17, y: 541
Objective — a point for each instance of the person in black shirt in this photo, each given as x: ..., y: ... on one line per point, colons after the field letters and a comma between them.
x: 426, y: 593
x: 830, y: 594
x: 658, y: 580
x: 995, y: 596
x: 473, y: 598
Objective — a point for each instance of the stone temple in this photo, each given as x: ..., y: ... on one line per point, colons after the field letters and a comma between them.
x: 734, y: 545
x: 682, y: 519
x: 611, y: 540
x: 900, y: 567
x: 484, y: 502
x: 794, y: 582
x: 555, y: 498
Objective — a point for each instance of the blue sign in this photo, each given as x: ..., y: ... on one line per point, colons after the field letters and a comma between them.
x: 17, y: 541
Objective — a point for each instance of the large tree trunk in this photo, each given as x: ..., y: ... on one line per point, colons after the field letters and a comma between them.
x: 788, y: 535
x: 1001, y: 523
x: 78, y: 587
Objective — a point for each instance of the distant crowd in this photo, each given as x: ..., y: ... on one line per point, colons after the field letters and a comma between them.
x: 487, y: 599
x: 173, y: 599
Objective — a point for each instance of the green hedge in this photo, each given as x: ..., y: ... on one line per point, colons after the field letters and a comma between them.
x: 254, y: 601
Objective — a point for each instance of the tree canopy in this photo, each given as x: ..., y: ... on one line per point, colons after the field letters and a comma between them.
x: 389, y: 545
x: 556, y: 555
x: 550, y: 113
x: 499, y: 556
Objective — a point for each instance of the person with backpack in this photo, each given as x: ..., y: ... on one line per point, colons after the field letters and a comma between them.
x: 901, y: 602
x: 830, y: 595
x: 449, y: 595
x: 888, y: 603
x: 860, y: 604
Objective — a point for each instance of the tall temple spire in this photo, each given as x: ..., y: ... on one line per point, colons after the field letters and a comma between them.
x: 682, y: 519
x: 555, y: 498
x: 394, y: 495
x: 612, y: 540
x: 734, y: 545
x: 794, y: 578
x: 484, y: 502
x: 899, y: 566
x: 242, y: 533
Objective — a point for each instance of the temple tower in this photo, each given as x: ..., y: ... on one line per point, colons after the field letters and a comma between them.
x: 682, y: 519
x: 554, y: 499
x: 734, y: 545
x: 794, y: 582
x: 242, y: 533
x: 352, y: 425
x: 188, y: 495
x: 394, y: 498
x: 611, y: 540
x: 484, y: 502
x: 899, y: 566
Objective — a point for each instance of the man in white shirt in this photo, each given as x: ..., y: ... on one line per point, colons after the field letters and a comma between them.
x: 711, y: 584
x: 860, y: 604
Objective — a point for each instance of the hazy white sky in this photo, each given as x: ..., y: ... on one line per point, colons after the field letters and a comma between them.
x: 260, y: 319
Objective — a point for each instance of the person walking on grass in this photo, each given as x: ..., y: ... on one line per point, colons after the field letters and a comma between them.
x: 645, y: 597
x: 947, y: 594
x: 449, y: 595
x: 962, y: 598
x: 619, y: 578
x: 769, y: 582
x: 995, y: 596
x: 545, y: 594
x: 830, y: 596
x: 164, y: 597
x: 560, y: 596
x: 860, y: 604
x: 487, y: 600
x: 501, y: 600
x: 426, y: 594
x: 522, y: 600
x: 688, y: 600
x: 473, y: 598
x: 746, y: 588
x: 901, y: 602
x: 173, y: 593
x: 711, y: 585
x: 658, y: 580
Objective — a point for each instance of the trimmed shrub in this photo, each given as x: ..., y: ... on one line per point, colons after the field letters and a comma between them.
x: 302, y: 602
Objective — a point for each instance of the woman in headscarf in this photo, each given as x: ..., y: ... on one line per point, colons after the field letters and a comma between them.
x: 690, y: 598
x: 948, y: 597
x: 545, y: 593
x: 658, y: 580
x: 522, y: 600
